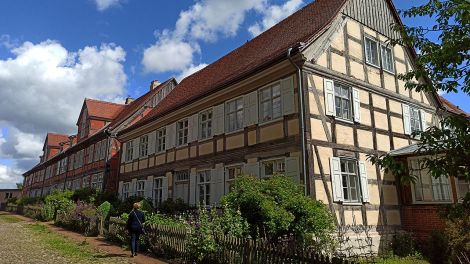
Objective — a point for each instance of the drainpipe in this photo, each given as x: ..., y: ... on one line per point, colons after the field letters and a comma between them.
x: 303, y: 138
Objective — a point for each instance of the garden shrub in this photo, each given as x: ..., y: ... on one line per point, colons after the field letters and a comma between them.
x: 126, y: 205
x: 277, y: 207
x: 202, y: 241
x: 403, y: 244
x: 58, y: 201
x: 29, y: 200
x: 437, y: 248
x: 173, y: 207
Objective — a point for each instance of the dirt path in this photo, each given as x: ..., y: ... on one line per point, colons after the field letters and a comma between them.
x: 24, y: 241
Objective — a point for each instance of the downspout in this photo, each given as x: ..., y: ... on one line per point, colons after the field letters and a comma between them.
x: 303, y: 138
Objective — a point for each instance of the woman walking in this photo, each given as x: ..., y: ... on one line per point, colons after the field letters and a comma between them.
x: 135, y: 227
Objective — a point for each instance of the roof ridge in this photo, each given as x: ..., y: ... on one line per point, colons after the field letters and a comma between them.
x: 104, y: 102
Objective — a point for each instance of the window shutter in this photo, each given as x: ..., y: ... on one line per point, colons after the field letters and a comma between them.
x: 90, y: 155
x: 217, y: 185
x: 335, y: 167
x: 132, y: 187
x: 192, y: 187
x: 135, y: 145
x: 250, y: 102
x: 292, y: 168
x: 251, y: 169
x: 329, y: 89
x: 406, y: 119
x: 170, y: 136
x: 364, y: 183
x: 164, y: 189
x: 123, y: 152
x: 219, y: 119
x: 287, y: 95
x: 357, y: 105
x: 152, y: 142
x: 148, y: 187
x: 424, y: 124
x: 193, y: 127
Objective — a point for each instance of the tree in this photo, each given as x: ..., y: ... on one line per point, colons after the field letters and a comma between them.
x: 441, y: 66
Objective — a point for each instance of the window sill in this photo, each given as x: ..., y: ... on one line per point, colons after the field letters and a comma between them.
x: 373, y: 65
x: 204, y: 140
x: 181, y: 146
x: 390, y: 72
x: 264, y: 123
x: 353, y: 203
x: 344, y: 120
x: 234, y: 132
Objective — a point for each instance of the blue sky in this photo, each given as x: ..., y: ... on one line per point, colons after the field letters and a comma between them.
x: 54, y: 53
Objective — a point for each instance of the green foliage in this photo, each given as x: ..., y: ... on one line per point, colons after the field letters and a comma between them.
x: 29, y: 200
x: 47, y: 212
x: 437, y: 248
x: 58, y: 201
x: 202, y: 241
x: 127, y: 205
x: 104, y: 209
x: 232, y: 223
x: 159, y: 219
x: 85, y: 195
x: 172, y: 207
x: 403, y: 244
x: 276, y: 207
x: 445, y: 61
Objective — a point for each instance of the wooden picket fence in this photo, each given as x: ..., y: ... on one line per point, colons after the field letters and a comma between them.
x: 173, y: 242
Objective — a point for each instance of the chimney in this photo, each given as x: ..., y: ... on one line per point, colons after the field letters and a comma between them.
x: 154, y: 84
x: 129, y: 100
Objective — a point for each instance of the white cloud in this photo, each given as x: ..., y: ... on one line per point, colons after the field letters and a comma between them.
x: 9, y: 175
x: 42, y: 88
x: 190, y: 70
x: 208, y: 20
x: 273, y: 14
x: 105, y: 4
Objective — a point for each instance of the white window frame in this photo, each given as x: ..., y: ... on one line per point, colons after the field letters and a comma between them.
x: 279, y: 166
x: 97, y: 181
x: 339, y: 114
x: 158, y: 191
x: 161, y: 140
x: 143, y: 146
x: 228, y: 179
x: 183, y: 181
x: 129, y: 150
x: 431, y: 187
x: 206, y: 129
x: 86, y: 181
x: 347, y: 187
x: 125, y: 190
x: 458, y: 182
x: 182, y: 132
x: 367, y: 56
x: 204, y: 182
x: 235, y: 116
x: 384, y: 59
x: 140, y: 188
x: 413, y: 111
x: 268, y: 115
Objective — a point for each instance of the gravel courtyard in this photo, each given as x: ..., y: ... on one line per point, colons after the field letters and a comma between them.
x: 27, y: 242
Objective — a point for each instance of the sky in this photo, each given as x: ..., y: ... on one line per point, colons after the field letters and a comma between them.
x: 55, y: 53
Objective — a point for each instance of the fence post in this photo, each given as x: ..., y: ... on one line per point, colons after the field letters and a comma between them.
x: 247, y: 252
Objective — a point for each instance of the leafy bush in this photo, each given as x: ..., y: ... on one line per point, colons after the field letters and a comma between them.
x: 277, y: 207
x: 47, y: 212
x: 126, y: 205
x: 58, y: 201
x: 104, y: 209
x: 202, y: 242
x: 159, y: 219
x: 403, y: 244
x: 437, y: 248
x: 173, y: 207
x: 232, y: 223
x: 29, y: 200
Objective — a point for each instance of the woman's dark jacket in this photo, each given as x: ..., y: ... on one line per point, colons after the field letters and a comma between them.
x: 133, y: 224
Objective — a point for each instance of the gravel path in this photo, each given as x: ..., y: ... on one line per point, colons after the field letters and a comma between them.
x: 20, y: 244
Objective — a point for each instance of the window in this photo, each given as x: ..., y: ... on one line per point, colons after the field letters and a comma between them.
x: 343, y: 102
x: 90, y: 154
x: 205, y: 124
x: 231, y: 173
x: 86, y: 182
x: 426, y: 188
x: 161, y: 138
x: 158, y: 191
x: 103, y: 149
x: 97, y: 181
x: 387, y: 58
x: 181, y: 186
x: 463, y: 187
x: 372, y: 51
x: 129, y: 150
x: 182, y: 132
x: 97, y: 151
x: 204, y: 187
x: 144, y: 145
x: 140, y: 189
x: 76, y: 184
x: 271, y: 167
x: 270, y: 103
x: 351, y: 189
x: 415, y: 120
x: 234, y: 115
x: 125, y: 190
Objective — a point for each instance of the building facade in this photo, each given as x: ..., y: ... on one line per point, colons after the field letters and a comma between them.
x: 90, y: 158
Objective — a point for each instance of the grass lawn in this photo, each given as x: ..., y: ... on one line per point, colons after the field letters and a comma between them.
x: 398, y: 260
x: 9, y: 219
x: 79, y: 251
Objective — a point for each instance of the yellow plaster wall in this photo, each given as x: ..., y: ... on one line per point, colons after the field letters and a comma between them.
x: 365, y: 139
x: 381, y: 120
x: 383, y: 142
x: 353, y: 217
x: 357, y: 70
x: 160, y: 159
x: 143, y: 164
x: 151, y: 162
x: 344, y: 135
x: 220, y: 145
x: 206, y: 148
x: 271, y: 132
x: 338, y: 63
x: 236, y: 141
x: 182, y: 154
x: 293, y: 127
x: 251, y: 137
x: 354, y: 28
x: 170, y: 156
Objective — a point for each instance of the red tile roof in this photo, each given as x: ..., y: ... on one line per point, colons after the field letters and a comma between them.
x: 54, y: 140
x: 452, y: 108
x: 302, y: 26
x: 131, y: 108
x: 102, y: 109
